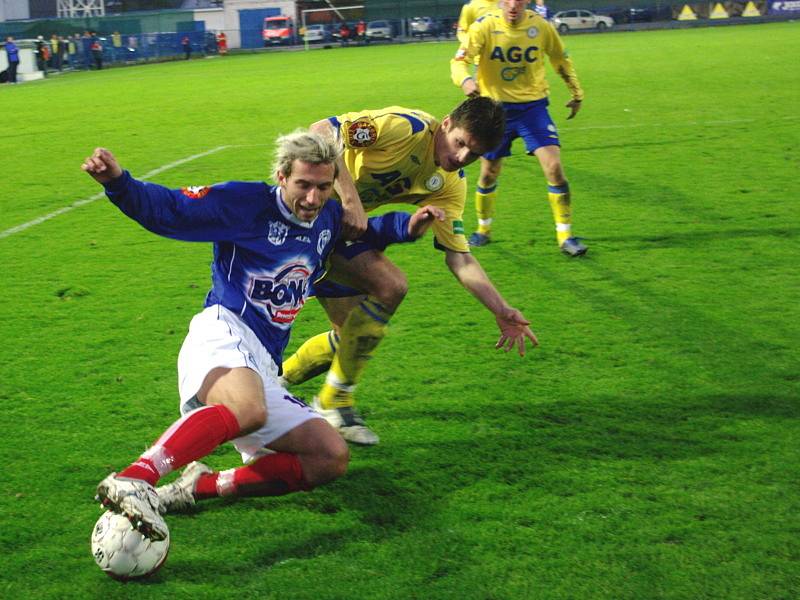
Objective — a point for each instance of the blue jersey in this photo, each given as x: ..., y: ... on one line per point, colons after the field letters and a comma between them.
x: 265, y: 258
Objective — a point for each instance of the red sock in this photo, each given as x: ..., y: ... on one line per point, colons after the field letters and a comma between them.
x: 271, y: 475
x: 191, y: 437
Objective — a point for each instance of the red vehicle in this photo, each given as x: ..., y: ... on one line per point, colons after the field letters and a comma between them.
x: 278, y: 30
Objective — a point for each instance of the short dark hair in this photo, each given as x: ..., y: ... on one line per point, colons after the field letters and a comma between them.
x: 483, y: 118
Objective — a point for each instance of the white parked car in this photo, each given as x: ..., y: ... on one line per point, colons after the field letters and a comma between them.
x: 379, y: 30
x: 567, y: 20
x: 422, y: 26
x: 317, y: 33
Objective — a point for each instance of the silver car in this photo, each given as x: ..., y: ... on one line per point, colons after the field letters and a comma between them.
x: 422, y: 26
x: 567, y: 20
x: 379, y: 30
x: 317, y: 33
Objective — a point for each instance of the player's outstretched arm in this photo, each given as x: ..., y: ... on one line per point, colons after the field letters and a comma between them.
x: 102, y: 166
x: 422, y: 219
x: 354, y: 219
x: 514, y: 327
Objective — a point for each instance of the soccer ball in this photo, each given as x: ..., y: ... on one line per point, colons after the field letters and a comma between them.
x: 122, y: 551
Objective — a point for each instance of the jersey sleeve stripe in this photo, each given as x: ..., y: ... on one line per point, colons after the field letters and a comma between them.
x: 417, y: 125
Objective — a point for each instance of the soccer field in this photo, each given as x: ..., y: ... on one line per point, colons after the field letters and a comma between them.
x: 649, y: 448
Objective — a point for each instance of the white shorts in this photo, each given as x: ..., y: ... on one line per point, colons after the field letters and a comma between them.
x: 218, y: 338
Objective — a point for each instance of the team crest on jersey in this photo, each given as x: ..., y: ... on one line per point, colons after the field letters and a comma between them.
x: 434, y: 182
x: 361, y: 134
x: 277, y: 232
x: 282, y: 293
x: 533, y: 32
x: 322, y: 241
x: 195, y: 192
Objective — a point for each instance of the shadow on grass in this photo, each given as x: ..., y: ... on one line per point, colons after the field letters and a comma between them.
x: 676, y: 239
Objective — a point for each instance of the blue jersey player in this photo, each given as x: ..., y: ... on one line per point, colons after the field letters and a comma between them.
x: 270, y: 243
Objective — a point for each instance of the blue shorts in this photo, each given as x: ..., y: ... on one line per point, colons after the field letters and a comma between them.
x: 529, y: 121
x: 325, y: 288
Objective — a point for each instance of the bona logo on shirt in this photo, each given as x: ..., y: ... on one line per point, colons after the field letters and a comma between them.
x: 282, y: 294
x: 515, y: 54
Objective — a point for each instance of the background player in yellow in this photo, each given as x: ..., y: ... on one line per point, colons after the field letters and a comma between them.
x: 511, y: 45
x: 471, y: 12
x: 396, y: 155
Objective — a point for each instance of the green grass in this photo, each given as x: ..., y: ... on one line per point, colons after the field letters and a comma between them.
x: 647, y: 449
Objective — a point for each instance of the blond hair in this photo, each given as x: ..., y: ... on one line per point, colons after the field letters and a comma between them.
x: 306, y: 146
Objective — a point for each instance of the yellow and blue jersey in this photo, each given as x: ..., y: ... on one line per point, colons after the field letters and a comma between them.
x: 390, y: 155
x: 471, y: 12
x: 511, y: 58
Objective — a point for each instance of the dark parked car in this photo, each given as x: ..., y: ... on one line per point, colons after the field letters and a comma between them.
x: 641, y: 14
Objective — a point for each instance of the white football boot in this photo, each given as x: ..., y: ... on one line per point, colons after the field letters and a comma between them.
x: 179, y: 495
x: 137, y: 500
x: 349, y: 423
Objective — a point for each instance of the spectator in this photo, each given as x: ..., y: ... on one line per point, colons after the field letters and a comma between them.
x: 222, y: 43
x: 42, y: 54
x: 344, y: 33
x: 55, y: 57
x: 13, y: 59
x: 116, y: 46
x: 187, y: 46
x: 97, y: 52
x: 361, y: 32
x: 133, y: 44
x: 86, y: 48
x: 72, y: 50
x: 540, y: 9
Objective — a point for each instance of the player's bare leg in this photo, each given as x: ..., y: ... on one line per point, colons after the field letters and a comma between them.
x: 485, y: 196
x: 310, y: 455
x: 560, y: 199
x: 234, y: 404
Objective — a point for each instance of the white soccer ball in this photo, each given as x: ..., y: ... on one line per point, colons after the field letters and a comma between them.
x: 124, y: 553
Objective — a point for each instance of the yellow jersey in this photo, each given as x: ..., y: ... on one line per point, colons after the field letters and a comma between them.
x: 511, y: 58
x: 471, y: 12
x: 390, y: 155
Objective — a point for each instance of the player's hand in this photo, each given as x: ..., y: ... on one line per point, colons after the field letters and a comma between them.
x: 424, y: 218
x: 354, y: 220
x: 574, y: 106
x: 514, y: 330
x: 470, y: 88
x: 102, y: 166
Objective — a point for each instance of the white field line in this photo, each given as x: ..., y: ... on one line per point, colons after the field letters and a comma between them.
x: 79, y: 203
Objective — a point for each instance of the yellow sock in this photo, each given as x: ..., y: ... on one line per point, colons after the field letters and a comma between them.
x: 311, y: 359
x: 559, y: 198
x: 484, y: 207
x: 361, y: 333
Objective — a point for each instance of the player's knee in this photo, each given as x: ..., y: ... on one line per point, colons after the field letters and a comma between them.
x: 490, y: 171
x: 554, y: 173
x: 251, y: 416
x: 392, y: 291
x: 330, y: 462
x: 338, y: 457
